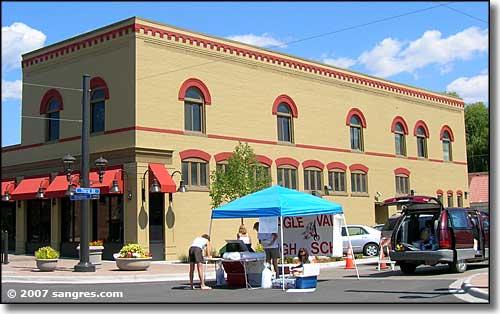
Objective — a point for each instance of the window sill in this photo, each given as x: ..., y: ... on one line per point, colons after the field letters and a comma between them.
x: 52, y: 141
x: 360, y: 195
x: 422, y: 158
x: 357, y: 151
x: 338, y: 194
x: 194, y: 133
x: 286, y: 143
x: 97, y: 133
x: 197, y: 188
x: 401, y: 156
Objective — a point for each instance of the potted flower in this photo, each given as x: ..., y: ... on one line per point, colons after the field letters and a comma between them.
x: 95, y: 252
x: 46, y: 258
x: 133, y: 257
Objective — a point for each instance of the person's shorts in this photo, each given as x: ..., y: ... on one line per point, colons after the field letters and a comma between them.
x: 195, y: 255
x: 272, y: 253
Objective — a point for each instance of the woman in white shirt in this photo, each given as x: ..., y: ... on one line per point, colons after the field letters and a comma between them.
x: 243, y: 236
x: 196, y: 257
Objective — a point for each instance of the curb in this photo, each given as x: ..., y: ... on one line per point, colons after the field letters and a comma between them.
x: 139, y: 278
x: 472, y: 290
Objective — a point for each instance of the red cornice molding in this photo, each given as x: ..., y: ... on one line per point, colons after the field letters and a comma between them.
x: 242, y: 52
x: 51, y: 93
x: 421, y: 123
x: 355, y: 112
x: 99, y: 82
x: 194, y: 82
x: 399, y: 119
x: 222, y: 156
x: 404, y: 171
x: 194, y: 153
x: 358, y: 167
x: 313, y: 163
x: 446, y: 128
x: 286, y: 161
x: 336, y: 165
x: 264, y: 160
x: 287, y: 100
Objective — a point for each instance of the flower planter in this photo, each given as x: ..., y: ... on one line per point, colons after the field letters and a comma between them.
x: 95, y: 254
x: 46, y: 264
x: 133, y: 263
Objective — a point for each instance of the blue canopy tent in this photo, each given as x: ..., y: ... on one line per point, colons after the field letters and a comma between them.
x: 278, y: 201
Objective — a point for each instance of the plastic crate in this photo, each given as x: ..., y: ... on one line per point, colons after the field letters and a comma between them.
x: 306, y: 282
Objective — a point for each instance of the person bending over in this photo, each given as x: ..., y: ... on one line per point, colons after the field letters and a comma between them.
x: 196, y: 257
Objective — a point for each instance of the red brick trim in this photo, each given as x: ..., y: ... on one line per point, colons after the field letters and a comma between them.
x: 399, y: 119
x: 287, y: 100
x: 98, y: 82
x: 355, y: 112
x: 380, y: 154
x: 439, y: 192
x: 334, y: 149
x: 51, y: 93
x: 222, y: 156
x: 194, y: 82
x: 446, y: 128
x: 336, y: 165
x: 421, y: 123
x: 313, y: 163
x: 194, y: 153
x: 403, y: 171
x: 264, y: 160
x: 449, y: 192
x: 286, y: 161
x: 459, y: 192
x: 460, y: 163
x: 358, y: 167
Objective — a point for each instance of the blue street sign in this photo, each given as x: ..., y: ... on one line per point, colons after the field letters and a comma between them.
x: 88, y: 191
x: 79, y: 197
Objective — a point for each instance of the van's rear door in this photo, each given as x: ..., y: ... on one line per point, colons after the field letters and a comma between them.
x: 462, y: 233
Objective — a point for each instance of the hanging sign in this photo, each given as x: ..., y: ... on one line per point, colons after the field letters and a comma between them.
x: 319, y: 234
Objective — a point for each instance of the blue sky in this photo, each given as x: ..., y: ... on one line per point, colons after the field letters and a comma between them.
x: 440, y: 47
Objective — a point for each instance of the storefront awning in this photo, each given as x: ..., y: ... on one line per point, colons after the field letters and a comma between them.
x: 59, y: 185
x: 8, y: 186
x: 164, y: 178
x: 27, y: 188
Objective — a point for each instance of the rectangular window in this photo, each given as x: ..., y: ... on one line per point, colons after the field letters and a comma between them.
x: 38, y: 221
x: 193, y: 117
x: 359, y: 183
x: 459, y: 219
x: 421, y: 147
x: 98, y: 117
x: 284, y: 129
x: 194, y: 173
x: 70, y: 220
x: 402, y: 185
x: 355, y: 138
x: 400, y: 145
x: 287, y: 177
x: 450, y: 200
x: 460, y: 202
x: 313, y: 180
x: 440, y: 198
x: 446, y: 151
x: 53, y: 126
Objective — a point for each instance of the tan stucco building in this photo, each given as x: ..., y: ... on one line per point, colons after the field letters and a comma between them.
x: 183, y: 100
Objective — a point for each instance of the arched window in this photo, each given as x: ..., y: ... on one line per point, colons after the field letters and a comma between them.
x: 359, y: 179
x: 446, y: 138
x: 356, y: 133
x: 399, y: 139
x: 287, y: 176
x: 285, y: 123
x: 421, y: 142
x: 402, y: 184
x: 53, y: 109
x: 450, y: 198
x: 194, y: 109
x: 97, y: 110
x: 194, y: 172
x: 313, y: 179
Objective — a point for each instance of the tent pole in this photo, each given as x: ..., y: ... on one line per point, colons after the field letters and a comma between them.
x: 350, y: 246
x: 282, y: 255
x: 210, y: 229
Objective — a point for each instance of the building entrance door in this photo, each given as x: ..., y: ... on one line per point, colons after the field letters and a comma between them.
x: 8, y: 222
x: 157, y: 225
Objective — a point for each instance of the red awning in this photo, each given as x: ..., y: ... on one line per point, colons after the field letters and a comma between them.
x: 8, y: 186
x: 164, y: 178
x: 59, y: 185
x: 27, y: 188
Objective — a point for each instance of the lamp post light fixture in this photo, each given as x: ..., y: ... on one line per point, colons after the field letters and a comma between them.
x: 154, y: 188
x: 182, y: 188
x: 68, y: 162
x: 41, y: 190
x: 115, y: 187
x: 6, y: 195
x: 100, y: 163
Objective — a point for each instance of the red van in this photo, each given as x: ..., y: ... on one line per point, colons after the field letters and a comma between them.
x: 426, y: 233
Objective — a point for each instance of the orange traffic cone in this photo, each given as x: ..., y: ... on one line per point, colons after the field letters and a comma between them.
x: 349, y: 264
x: 382, y: 264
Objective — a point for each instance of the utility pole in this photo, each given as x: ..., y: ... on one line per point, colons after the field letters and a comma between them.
x: 84, y: 265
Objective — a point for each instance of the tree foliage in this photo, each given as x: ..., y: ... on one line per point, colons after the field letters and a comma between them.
x: 243, y: 175
x: 477, y: 136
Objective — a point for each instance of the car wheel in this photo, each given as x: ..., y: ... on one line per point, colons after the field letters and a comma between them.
x: 408, y: 268
x: 458, y: 266
x: 370, y: 249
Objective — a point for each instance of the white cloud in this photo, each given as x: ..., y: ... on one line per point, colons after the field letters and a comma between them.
x: 17, y: 39
x: 471, y: 89
x: 340, y: 62
x: 445, y: 69
x: 11, y: 90
x: 264, y: 40
x: 391, y: 56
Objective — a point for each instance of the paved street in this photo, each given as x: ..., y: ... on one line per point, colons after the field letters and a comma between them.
x: 429, y: 285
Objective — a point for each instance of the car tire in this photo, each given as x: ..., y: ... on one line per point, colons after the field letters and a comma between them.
x: 370, y: 249
x: 408, y: 268
x: 458, y: 266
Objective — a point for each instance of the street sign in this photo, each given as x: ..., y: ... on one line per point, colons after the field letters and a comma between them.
x: 79, y: 197
x: 88, y: 191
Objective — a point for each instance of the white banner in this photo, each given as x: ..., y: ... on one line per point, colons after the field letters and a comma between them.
x: 319, y: 234
x: 268, y: 225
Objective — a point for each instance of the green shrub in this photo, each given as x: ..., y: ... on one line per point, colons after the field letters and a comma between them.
x: 46, y: 252
x: 358, y: 256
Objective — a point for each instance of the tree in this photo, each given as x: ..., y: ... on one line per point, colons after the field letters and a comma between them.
x: 242, y: 175
x: 477, y: 136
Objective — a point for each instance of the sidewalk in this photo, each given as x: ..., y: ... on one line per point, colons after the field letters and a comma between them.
x: 22, y: 268
x: 477, y: 285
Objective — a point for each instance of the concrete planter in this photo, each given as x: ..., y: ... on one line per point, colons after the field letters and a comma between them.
x: 95, y: 254
x: 124, y: 263
x: 46, y: 264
